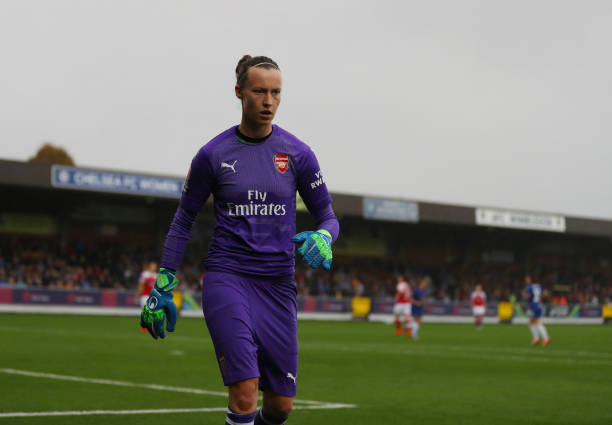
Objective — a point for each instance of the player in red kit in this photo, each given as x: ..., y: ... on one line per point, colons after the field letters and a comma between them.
x: 403, y: 306
x: 146, y: 282
x: 479, y: 302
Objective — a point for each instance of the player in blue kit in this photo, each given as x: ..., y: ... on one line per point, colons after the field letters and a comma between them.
x: 533, y: 294
x: 253, y: 171
x: 418, y: 304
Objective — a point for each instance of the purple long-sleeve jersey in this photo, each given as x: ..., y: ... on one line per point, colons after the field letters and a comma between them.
x: 254, y: 190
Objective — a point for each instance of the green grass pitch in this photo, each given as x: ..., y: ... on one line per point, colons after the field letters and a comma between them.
x: 453, y: 375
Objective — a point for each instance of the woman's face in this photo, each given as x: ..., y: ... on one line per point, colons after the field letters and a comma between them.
x: 260, y: 95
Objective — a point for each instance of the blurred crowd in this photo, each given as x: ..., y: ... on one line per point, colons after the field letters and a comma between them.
x: 38, y: 262
x: 29, y: 262
x: 378, y: 279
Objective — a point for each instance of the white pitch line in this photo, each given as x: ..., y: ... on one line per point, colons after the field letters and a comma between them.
x: 151, y: 386
x: 148, y: 411
x: 109, y: 412
x: 325, y: 406
x: 112, y: 382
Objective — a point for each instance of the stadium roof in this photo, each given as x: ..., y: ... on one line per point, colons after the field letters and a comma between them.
x: 18, y: 173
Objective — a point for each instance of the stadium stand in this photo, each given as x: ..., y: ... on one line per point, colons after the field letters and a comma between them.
x: 77, y: 228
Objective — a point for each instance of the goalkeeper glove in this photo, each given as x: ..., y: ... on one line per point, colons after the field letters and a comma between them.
x: 316, y: 248
x: 159, y: 307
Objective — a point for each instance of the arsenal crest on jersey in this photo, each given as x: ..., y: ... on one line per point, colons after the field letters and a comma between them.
x: 281, y: 162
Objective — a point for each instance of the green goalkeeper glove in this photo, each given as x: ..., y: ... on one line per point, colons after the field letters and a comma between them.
x: 316, y: 248
x: 159, y: 307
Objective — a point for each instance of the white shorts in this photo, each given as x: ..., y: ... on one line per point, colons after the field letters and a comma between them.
x: 479, y: 310
x: 403, y: 308
x: 143, y: 300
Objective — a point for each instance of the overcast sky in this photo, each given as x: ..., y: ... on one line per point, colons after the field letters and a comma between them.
x: 486, y: 103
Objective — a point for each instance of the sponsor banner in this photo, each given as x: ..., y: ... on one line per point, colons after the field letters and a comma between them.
x: 6, y: 295
x: 436, y: 308
x: 462, y: 310
x: 106, y: 298
x: 390, y: 210
x: 590, y: 311
x: 557, y: 311
x: 49, y: 296
x: 382, y: 306
x: 308, y: 304
x: 564, y: 311
x: 520, y: 220
x: 126, y: 299
x: 327, y: 305
x: 333, y: 305
x: 109, y: 181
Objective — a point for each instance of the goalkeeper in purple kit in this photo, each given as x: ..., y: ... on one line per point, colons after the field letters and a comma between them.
x: 253, y: 171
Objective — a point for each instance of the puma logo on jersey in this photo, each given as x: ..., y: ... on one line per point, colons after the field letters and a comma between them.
x: 293, y: 378
x: 226, y: 165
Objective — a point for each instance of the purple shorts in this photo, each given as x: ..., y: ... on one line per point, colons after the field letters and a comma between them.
x: 253, y: 326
